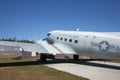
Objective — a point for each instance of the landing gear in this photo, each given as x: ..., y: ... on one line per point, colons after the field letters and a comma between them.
x: 76, y: 57
x: 45, y: 56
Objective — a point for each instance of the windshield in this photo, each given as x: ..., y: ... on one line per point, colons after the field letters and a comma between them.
x: 48, y: 34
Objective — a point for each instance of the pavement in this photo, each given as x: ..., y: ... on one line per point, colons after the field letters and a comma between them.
x: 93, y: 70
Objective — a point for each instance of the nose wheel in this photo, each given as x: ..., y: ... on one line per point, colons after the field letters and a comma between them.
x: 76, y: 57
x: 43, y: 57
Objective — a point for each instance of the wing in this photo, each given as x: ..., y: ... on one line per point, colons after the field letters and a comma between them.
x: 64, y: 48
x: 17, y: 46
x: 41, y: 47
x: 57, y: 48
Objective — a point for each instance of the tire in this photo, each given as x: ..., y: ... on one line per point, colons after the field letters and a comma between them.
x: 76, y: 57
x: 43, y: 57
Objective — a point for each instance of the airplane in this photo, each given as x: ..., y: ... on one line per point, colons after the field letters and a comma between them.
x: 102, y: 45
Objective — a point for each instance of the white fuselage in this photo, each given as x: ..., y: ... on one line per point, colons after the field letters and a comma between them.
x: 92, y: 44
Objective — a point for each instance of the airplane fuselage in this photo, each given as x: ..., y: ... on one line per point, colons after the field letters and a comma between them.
x: 92, y: 44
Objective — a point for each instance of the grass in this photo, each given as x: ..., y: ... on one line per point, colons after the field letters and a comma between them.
x: 17, y: 58
x: 31, y: 72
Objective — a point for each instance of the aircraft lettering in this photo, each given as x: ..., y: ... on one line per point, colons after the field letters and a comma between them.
x: 68, y: 35
x: 112, y: 47
x: 94, y: 44
x: 104, y: 46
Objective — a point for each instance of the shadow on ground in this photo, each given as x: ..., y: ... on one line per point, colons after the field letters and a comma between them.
x: 80, y: 62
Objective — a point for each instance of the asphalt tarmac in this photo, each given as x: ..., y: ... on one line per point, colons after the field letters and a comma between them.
x: 93, y: 70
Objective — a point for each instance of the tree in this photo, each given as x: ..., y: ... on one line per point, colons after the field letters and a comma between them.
x: 15, y: 40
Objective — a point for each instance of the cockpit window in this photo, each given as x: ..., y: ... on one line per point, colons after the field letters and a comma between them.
x: 48, y: 34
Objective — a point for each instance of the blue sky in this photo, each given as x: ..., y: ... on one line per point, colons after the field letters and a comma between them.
x: 32, y: 19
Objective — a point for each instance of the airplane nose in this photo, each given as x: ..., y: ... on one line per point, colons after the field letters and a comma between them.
x: 49, y: 38
x: 50, y: 41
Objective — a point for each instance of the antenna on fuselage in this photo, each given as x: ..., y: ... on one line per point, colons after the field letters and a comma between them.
x: 78, y: 29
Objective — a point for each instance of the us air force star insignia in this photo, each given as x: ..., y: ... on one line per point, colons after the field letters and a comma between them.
x: 104, y: 46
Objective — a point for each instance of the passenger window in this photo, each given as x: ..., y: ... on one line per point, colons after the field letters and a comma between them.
x: 61, y: 38
x: 70, y: 40
x: 65, y: 39
x: 76, y: 41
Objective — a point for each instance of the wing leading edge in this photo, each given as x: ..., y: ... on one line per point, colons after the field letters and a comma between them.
x: 16, y: 46
x: 57, y: 48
